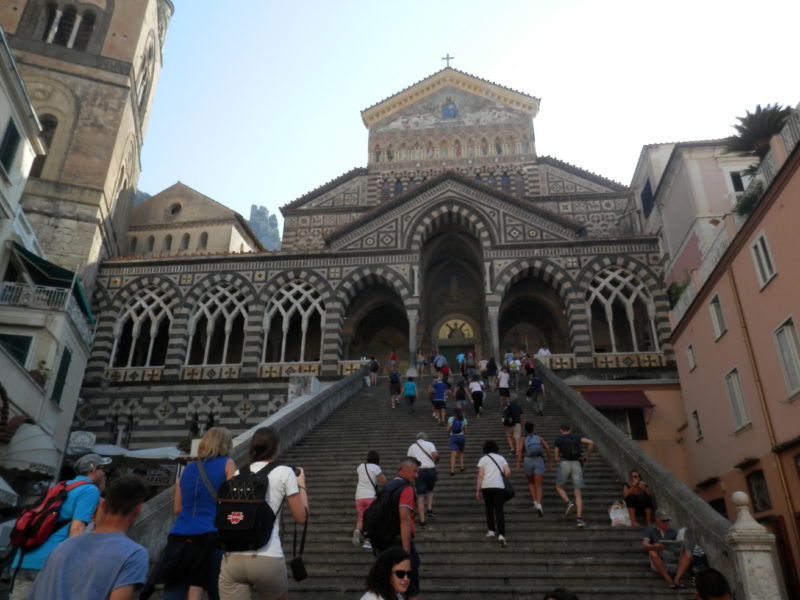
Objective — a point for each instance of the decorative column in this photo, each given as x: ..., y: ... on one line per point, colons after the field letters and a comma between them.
x: 413, y: 318
x: 494, y: 324
x: 754, y: 555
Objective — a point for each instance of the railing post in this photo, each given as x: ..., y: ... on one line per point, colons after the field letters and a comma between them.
x: 754, y: 555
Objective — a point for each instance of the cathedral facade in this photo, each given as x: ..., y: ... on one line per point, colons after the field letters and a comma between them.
x: 456, y: 236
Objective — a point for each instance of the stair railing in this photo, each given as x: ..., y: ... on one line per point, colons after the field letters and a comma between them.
x: 705, y: 525
x: 293, y: 421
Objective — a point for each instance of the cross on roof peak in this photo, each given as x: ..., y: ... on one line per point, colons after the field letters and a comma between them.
x: 448, y: 58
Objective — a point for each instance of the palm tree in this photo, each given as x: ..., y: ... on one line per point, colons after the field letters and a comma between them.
x: 755, y: 129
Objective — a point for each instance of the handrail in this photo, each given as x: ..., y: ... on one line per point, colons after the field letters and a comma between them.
x: 706, y: 526
x: 293, y: 421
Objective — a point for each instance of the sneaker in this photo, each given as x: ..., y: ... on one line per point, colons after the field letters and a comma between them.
x: 367, y: 545
x: 570, y: 507
x: 502, y: 541
x: 430, y: 513
x: 579, y: 522
x: 490, y: 534
x: 358, y: 539
x: 539, y: 510
x: 422, y: 524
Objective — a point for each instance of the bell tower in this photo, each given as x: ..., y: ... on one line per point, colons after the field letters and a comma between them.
x: 90, y: 67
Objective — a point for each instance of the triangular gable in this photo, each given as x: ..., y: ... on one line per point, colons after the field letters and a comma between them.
x: 347, y: 190
x: 178, y: 204
x: 511, y: 220
x: 449, y: 78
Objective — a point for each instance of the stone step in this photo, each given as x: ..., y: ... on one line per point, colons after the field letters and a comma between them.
x: 598, y: 561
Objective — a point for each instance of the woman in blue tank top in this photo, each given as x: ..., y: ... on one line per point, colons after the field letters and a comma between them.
x: 194, y: 532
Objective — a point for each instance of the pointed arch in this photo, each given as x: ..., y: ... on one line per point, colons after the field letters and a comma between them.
x: 625, y: 306
x: 448, y: 213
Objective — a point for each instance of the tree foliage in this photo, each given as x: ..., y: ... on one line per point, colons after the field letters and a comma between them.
x: 755, y: 129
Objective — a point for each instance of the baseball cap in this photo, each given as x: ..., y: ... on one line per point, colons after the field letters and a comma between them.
x: 87, y: 462
x: 662, y: 514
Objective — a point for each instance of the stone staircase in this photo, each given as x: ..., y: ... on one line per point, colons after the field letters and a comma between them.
x: 597, y: 562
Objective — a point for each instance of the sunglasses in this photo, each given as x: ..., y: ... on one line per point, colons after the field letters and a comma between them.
x: 400, y: 574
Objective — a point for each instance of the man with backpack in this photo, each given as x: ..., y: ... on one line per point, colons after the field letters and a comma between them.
x: 374, y: 367
x: 568, y: 451
x: 390, y: 518
x: 104, y: 563
x: 75, y: 510
x: 394, y: 387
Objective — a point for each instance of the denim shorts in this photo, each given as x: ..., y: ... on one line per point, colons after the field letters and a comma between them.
x: 570, y: 469
x: 456, y: 443
x: 533, y: 465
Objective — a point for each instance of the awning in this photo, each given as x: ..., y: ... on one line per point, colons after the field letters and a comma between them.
x: 45, y: 273
x: 163, y: 453
x: 31, y: 449
x: 618, y: 399
x: 8, y: 496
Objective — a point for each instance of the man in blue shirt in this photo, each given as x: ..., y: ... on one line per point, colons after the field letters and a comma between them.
x: 105, y: 563
x: 76, y: 513
x: 439, y: 392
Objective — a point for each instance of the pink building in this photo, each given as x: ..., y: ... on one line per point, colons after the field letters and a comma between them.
x: 682, y: 191
x: 738, y: 355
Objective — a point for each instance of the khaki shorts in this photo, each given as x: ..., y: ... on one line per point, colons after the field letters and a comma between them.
x: 513, y: 431
x: 241, y: 573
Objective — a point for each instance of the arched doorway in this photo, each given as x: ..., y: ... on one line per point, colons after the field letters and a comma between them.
x: 375, y: 324
x: 532, y: 316
x: 453, y: 311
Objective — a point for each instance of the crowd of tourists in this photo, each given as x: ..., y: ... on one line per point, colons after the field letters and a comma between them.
x: 406, y: 503
x: 225, y: 542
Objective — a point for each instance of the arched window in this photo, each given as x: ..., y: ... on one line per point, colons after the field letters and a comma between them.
x: 202, y: 243
x: 293, y: 324
x: 66, y: 25
x: 377, y: 153
x: 151, y: 244
x: 398, y: 188
x: 216, y: 327
x: 519, y: 184
x: 498, y: 146
x: 145, y: 77
x: 50, y: 15
x: 185, y: 239
x: 505, y: 183
x: 167, y: 246
x: 132, y: 246
x: 385, y: 190
x: 85, y: 29
x: 621, y: 312
x: 141, y: 332
x: 49, y: 124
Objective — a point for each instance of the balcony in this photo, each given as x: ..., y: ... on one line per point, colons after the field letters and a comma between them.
x: 40, y: 297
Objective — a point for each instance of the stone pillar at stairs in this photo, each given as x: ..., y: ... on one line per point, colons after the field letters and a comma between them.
x: 755, y: 556
x: 413, y: 320
x: 494, y: 324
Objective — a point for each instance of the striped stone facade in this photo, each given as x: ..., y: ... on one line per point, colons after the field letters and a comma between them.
x: 362, y: 260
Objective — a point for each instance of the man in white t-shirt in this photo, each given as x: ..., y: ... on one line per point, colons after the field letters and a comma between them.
x: 425, y: 452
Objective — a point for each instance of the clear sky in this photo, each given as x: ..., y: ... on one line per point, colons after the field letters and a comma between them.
x: 259, y: 101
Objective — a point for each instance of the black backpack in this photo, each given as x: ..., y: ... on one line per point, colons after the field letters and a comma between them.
x: 508, y: 417
x: 381, y: 519
x: 244, y: 519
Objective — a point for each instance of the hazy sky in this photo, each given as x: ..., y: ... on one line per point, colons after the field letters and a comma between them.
x: 260, y: 103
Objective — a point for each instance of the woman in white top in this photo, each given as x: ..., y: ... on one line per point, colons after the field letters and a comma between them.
x: 369, y: 478
x: 390, y: 576
x: 264, y: 570
x: 489, y: 486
